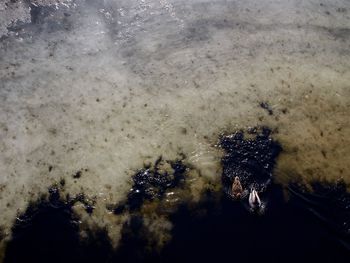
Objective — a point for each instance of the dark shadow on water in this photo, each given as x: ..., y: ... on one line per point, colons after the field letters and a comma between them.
x: 216, y: 229
x: 49, y: 232
x: 286, y: 233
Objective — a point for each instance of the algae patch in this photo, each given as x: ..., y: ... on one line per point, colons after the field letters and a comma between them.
x: 251, y: 157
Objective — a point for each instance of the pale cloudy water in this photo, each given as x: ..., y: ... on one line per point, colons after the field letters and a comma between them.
x: 107, y: 86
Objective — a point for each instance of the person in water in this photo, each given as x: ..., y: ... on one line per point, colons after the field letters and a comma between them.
x: 254, y: 200
x: 236, y: 188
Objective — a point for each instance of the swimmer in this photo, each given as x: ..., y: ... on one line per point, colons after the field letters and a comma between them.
x: 254, y: 200
x: 236, y: 188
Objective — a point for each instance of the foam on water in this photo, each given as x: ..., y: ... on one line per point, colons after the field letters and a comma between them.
x: 105, y: 87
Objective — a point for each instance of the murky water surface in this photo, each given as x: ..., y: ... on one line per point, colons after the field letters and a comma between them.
x: 121, y: 109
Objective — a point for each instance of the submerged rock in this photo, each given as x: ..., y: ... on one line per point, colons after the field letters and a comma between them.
x: 267, y: 107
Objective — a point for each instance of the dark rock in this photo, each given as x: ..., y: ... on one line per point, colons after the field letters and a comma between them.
x: 77, y: 175
x: 267, y: 107
x: 62, y: 182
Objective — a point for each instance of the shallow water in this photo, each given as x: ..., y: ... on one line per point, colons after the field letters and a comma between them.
x: 103, y: 88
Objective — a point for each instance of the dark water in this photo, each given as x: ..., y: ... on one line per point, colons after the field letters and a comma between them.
x: 286, y: 233
x: 305, y: 227
x: 216, y: 229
